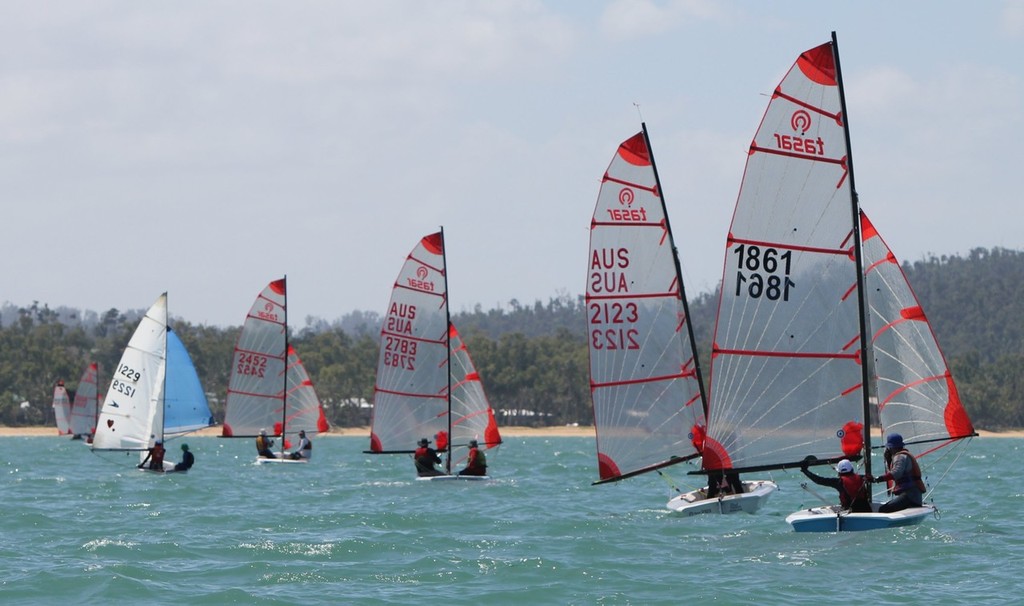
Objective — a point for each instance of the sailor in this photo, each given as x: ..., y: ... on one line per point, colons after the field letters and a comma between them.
x: 853, y: 488
x: 426, y: 458
x: 305, y: 449
x: 187, y: 459
x: 155, y: 457
x: 264, y: 444
x: 476, y: 462
x: 905, y: 474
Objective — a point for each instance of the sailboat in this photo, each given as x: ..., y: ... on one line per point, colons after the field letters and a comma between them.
x: 155, y: 394
x: 85, y: 406
x: 915, y: 394
x: 427, y: 385
x: 645, y: 380
x: 269, y: 389
x: 788, y: 378
x: 62, y: 409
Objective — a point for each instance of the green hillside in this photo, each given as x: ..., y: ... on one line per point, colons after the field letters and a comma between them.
x: 532, y: 358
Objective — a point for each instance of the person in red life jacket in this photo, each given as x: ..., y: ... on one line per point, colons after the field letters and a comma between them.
x: 476, y: 463
x: 903, y: 471
x: 426, y: 458
x: 155, y: 458
x: 853, y: 488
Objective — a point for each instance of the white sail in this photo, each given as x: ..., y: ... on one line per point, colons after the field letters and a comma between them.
x: 644, y: 378
x: 472, y: 417
x: 269, y: 388
x: 132, y: 413
x: 304, y: 411
x: 916, y: 395
x: 85, y: 406
x: 411, y: 390
x: 256, y: 388
x: 62, y: 408
x: 786, y: 378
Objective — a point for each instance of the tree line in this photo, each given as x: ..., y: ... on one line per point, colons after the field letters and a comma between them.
x: 532, y: 358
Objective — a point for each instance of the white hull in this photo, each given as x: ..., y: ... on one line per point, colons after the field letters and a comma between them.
x: 756, y: 493
x: 264, y: 460
x: 446, y: 478
x: 832, y: 519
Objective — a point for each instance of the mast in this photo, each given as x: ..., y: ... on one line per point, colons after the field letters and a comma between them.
x: 858, y: 256
x: 284, y: 375
x: 679, y: 274
x: 163, y: 389
x: 448, y: 351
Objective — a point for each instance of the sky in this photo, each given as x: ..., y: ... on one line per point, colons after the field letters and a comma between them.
x: 206, y: 148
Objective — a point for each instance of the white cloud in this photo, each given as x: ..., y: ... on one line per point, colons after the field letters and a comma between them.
x: 626, y: 19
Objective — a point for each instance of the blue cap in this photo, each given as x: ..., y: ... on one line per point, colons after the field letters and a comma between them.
x: 894, y: 440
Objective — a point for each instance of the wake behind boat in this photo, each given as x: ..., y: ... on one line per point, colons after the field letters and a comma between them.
x: 426, y: 382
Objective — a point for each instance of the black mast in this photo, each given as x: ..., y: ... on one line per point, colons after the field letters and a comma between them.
x: 858, y: 255
x: 448, y: 347
x: 284, y: 391
x: 679, y: 274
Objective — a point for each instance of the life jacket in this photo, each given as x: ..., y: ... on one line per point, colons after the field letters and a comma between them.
x: 477, y: 459
x: 854, y: 488
x: 262, y: 443
x: 904, y: 483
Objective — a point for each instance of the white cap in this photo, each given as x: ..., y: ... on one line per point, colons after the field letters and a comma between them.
x: 845, y: 466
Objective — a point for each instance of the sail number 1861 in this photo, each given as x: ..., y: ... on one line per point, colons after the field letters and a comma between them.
x: 763, y: 272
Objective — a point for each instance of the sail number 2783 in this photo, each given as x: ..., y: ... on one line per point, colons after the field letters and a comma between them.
x: 763, y: 272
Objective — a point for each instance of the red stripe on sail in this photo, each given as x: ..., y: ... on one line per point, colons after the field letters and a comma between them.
x: 682, y: 375
x: 783, y: 354
x: 278, y: 286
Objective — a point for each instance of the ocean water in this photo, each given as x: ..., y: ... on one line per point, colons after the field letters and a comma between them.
x: 357, y: 529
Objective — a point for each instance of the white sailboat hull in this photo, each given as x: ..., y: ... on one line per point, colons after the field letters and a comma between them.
x: 755, y: 495
x: 265, y: 460
x: 452, y: 477
x: 832, y: 519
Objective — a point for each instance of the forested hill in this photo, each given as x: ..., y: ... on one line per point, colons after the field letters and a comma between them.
x: 533, y: 358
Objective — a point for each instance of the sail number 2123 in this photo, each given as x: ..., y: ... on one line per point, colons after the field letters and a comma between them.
x: 763, y: 272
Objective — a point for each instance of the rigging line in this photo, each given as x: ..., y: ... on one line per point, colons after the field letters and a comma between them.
x: 944, y: 474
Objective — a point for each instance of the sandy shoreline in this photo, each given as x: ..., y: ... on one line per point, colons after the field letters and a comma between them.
x: 508, y: 432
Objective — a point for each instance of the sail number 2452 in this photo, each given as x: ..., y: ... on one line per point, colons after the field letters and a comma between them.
x: 763, y: 272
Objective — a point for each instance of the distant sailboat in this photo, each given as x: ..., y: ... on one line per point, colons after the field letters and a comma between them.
x: 62, y: 409
x: 155, y: 394
x: 85, y: 407
x: 649, y: 403
x: 427, y: 386
x: 269, y: 389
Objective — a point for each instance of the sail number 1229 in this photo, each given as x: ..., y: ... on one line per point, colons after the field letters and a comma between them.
x: 763, y: 272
